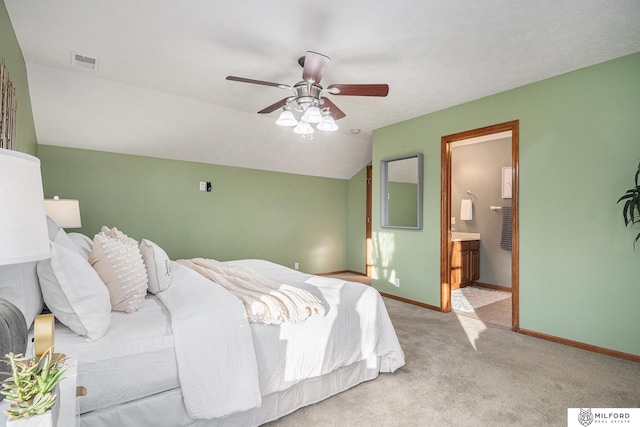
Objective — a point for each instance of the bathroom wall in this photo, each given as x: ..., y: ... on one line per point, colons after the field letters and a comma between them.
x: 478, y: 168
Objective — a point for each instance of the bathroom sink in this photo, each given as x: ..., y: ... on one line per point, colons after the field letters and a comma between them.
x: 458, y: 236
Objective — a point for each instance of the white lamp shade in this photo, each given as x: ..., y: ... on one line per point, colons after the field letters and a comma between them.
x: 327, y: 124
x: 312, y: 115
x: 65, y: 212
x: 23, y: 223
x: 303, y: 128
x: 286, y: 118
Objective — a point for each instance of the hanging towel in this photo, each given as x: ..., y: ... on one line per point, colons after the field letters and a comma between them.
x: 466, y: 210
x: 505, y: 240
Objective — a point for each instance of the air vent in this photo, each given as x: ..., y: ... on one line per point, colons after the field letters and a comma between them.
x: 82, y: 61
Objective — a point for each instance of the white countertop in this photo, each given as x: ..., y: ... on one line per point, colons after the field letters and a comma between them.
x: 458, y: 236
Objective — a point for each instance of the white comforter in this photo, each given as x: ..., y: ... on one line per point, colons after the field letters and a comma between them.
x: 213, y: 345
x: 356, y: 327
x: 224, y: 366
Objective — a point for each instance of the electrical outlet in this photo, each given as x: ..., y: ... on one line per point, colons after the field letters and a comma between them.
x: 396, y: 283
x: 296, y: 266
x: 203, y: 186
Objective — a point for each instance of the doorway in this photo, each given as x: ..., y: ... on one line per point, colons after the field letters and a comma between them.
x: 369, y: 247
x: 446, y: 244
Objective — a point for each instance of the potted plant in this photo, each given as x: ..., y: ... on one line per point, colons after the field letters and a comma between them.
x: 31, y: 389
x: 631, y: 208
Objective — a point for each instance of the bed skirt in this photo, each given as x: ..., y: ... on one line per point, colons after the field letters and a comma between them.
x: 167, y: 408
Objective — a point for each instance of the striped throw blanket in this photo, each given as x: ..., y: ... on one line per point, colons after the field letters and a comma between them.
x: 265, y: 300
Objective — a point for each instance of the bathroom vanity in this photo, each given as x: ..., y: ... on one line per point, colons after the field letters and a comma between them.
x: 465, y: 259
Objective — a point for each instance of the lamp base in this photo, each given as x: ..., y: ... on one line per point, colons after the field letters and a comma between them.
x: 13, y: 333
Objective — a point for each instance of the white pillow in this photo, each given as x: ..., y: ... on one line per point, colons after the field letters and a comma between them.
x: 74, y: 293
x: 158, y: 266
x: 63, y: 239
x: 83, y: 244
x: 119, y: 264
x: 52, y: 228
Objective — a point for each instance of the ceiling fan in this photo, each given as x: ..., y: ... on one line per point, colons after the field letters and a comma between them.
x: 310, y: 99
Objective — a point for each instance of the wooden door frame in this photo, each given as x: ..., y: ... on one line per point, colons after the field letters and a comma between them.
x: 369, y: 249
x: 445, y: 217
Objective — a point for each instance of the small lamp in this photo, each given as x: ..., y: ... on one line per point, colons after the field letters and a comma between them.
x: 65, y: 212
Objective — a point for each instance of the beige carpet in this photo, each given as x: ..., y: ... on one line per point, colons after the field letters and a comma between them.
x: 463, y: 372
x: 469, y: 298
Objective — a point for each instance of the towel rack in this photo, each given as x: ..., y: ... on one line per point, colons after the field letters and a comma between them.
x: 495, y: 208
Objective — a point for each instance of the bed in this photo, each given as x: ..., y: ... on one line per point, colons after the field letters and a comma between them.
x: 188, y: 356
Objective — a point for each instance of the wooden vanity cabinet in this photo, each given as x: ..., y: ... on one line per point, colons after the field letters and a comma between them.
x: 465, y: 263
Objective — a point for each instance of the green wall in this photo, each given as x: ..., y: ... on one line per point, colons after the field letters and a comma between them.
x: 280, y: 217
x: 12, y: 55
x: 579, y: 149
x: 357, y: 233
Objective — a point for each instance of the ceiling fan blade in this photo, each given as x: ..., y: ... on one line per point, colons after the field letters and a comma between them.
x: 360, y: 90
x: 273, y: 107
x: 256, y: 82
x: 335, y: 111
x: 314, y: 65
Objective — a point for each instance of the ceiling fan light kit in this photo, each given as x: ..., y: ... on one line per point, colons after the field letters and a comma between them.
x: 286, y: 118
x: 310, y: 99
x: 312, y: 114
x: 328, y: 124
x: 303, y: 128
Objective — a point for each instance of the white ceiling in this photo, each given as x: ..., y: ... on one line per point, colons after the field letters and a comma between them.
x: 160, y: 88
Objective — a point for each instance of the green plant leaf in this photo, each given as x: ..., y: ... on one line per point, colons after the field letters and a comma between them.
x: 631, y: 207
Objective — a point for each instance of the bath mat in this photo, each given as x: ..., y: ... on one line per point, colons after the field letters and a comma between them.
x: 469, y: 298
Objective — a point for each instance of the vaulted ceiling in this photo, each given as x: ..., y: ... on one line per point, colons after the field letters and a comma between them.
x: 160, y: 89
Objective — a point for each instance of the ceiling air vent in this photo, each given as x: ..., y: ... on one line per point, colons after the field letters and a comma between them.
x: 85, y: 62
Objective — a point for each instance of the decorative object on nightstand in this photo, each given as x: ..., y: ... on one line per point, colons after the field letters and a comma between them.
x: 631, y: 208
x: 23, y: 227
x: 32, y: 389
x: 65, y: 212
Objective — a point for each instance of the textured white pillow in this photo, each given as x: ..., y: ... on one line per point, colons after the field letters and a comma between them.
x: 83, y: 244
x: 118, y: 261
x: 74, y: 293
x: 158, y: 266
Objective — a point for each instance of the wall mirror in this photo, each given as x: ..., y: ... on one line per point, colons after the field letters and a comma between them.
x: 401, y: 192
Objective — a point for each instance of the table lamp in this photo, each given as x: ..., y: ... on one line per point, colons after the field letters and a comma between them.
x: 65, y: 212
x: 23, y: 235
